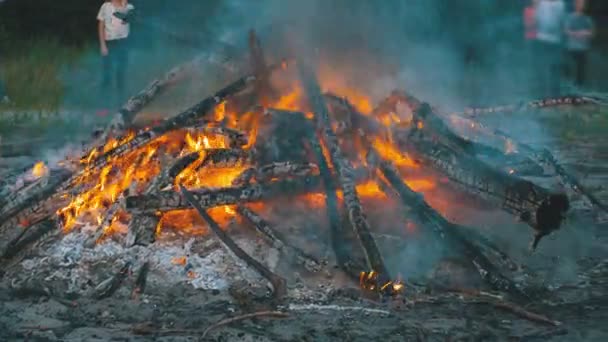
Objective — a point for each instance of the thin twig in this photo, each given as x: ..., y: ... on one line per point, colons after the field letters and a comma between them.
x: 274, y: 314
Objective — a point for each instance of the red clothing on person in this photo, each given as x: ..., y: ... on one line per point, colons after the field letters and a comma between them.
x: 530, y: 22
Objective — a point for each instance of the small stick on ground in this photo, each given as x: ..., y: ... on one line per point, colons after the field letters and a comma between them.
x: 107, y: 287
x: 277, y: 241
x: 278, y: 283
x: 521, y: 312
x: 274, y: 314
x: 140, y: 282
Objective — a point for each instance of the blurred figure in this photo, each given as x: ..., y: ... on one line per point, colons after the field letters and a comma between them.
x: 114, y: 29
x: 530, y: 21
x: 531, y: 52
x: 550, y: 16
x: 579, y: 31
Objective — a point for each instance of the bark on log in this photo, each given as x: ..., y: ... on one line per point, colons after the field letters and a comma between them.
x: 207, y: 198
x: 27, y: 237
x: 182, y: 163
x: 444, y: 229
x: 540, y: 103
x: 278, y: 170
x: 356, y: 215
x: 225, y: 157
x: 27, y: 209
x: 278, y: 283
x: 276, y: 240
x: 548, y: 161
x: 538, y: 207
x: 142, y: 229
x: 184, y: 119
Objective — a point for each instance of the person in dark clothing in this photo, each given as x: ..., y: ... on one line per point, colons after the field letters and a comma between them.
x: 114, y: 29
x: 579, y: 31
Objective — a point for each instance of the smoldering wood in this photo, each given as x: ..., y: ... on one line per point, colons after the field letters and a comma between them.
x: 353, y: 206
x: 182, y: 163
x: 27, y: 237
x: 444, y: 229
x: 278, y: 283
x: 33, y: 203
x: 142, y: 229
x: 277, y: 170
x: 235, y: 137
x: 226, y: 157
x: 140, y: 281
x: 109, y: 286
x: 538, y: 207
x: 276, y: 240
x: 337, y: 226
x: 280, y: 135
x: 184, y: 119
x: 212, y: 197
x: 548, y: 161
x: 107, y: 220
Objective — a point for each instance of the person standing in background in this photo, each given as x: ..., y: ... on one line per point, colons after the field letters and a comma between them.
x: 550, y: 16
x: 579, y: 31
x: 531, y: 50
x: 114, y: 28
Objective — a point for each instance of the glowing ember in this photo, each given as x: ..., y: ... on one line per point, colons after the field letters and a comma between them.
x: 370, y: 281
x: 39, y: 170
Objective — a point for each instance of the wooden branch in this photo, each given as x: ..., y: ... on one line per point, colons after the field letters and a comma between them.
x: 107, y: 287
x: 28, y: 236
x: 276, y: 240
x: 356, y: 214
x: 208, y: 198
x: 142, y: 229
x: 444, y: 229
x: 542, y: 210
x: 274, y: 314
x: 278, y: 283
x: 140, y: 281
x: 225, y: 157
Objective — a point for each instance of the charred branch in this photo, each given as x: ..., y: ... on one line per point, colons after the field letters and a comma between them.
x: 444, y: 229
x: 140, y: 281
x: 537, y: 206
x: 27, y: 237
x: 109, y: 286
x: 225, y: 157
x: 276, y: 240
x: 353, y: 206
x: 208, y: 198
x: 142, y: 229
x: 278, y: 283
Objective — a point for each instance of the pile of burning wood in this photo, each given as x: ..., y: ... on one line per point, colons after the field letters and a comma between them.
x: 253, y: 142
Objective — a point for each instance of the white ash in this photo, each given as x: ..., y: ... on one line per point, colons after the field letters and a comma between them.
x: 69, y: 262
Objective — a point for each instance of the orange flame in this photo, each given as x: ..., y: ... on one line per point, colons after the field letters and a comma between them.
x: 39, y: 170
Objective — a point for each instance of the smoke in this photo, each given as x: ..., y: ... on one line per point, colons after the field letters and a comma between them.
x: 449, y: 53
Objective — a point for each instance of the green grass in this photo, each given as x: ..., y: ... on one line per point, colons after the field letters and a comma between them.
x: 30, y: 71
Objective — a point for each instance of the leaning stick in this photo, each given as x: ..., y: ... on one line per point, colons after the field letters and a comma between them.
x: 356, y: 214
x: 278, y: 283
x: 274, y: 238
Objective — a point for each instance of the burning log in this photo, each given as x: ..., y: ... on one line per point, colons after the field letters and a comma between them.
x: 537, y: 206
x: 235, y: 137
x: 443, y: 228
x: 278, y: 170
x: 356, y: 215
x: 278, y: 283
x: 184, y: 119
x: 208, y: 198
x: 107, y: 287
x: 275, y: 239
x: 34, y: 205
x: 181, y: 164
x: 225, y: 157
